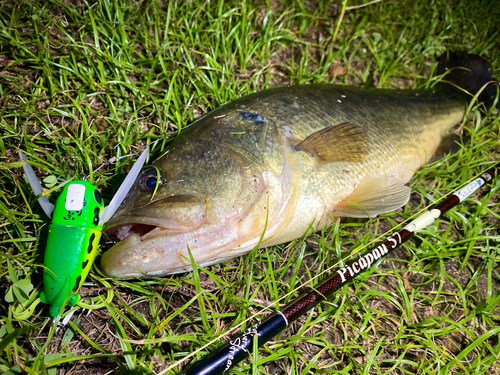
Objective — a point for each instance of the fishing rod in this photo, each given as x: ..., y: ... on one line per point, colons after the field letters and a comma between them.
x: 241, y: 346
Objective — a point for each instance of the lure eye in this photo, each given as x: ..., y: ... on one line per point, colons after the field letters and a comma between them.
x: 97, y: 196
x: 149, y: 180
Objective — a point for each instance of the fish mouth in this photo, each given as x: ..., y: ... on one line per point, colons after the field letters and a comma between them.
x: 144, y: 227
x: 168, y: 216
x: 122, y: 231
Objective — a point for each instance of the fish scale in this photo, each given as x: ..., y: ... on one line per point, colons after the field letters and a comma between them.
x: 275, y: 162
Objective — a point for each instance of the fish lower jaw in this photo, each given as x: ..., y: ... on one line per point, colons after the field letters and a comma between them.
x: 172, y: 271
x: 144, y: 231
x: 137, y: 257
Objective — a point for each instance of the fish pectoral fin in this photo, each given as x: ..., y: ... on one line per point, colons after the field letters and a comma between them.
x: 450, y: 144
x: 374, y: 197
x: 342, y: 142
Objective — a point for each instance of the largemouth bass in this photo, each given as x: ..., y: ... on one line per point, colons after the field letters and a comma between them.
x: 269, y: 167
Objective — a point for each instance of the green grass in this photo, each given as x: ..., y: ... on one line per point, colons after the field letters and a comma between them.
x: 83, y: 83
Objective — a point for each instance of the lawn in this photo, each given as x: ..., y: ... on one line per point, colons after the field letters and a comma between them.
x: 84, y: 86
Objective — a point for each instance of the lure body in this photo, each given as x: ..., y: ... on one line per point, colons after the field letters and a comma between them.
x: 74, y: 235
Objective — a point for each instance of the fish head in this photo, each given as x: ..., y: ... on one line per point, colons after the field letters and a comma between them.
x: 193, y: 201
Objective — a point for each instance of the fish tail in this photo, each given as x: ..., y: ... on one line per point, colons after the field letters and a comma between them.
x: 470, y: 73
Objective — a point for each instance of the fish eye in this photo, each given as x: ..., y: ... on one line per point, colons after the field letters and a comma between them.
x: 148, y: 180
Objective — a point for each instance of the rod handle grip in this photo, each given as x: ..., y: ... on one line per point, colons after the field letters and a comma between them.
x: 239, y: 348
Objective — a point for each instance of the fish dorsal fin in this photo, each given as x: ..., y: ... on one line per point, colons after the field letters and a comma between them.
x: 342, y: 142
x: 373, y: 197
x: 449, y: 144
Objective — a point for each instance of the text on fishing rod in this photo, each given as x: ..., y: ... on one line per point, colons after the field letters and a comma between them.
x: 366, y: 260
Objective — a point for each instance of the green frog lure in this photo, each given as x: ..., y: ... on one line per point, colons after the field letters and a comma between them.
x: 74, y: 233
